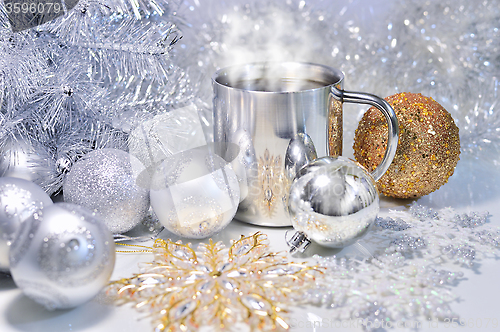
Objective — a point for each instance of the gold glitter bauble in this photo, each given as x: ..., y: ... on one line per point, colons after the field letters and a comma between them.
x: 428, y: 146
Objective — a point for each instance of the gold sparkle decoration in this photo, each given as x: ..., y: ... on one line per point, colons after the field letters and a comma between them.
x: 271, y: 177
x: 335, y: 124
x: 216, y: 286
x: 428, y: 146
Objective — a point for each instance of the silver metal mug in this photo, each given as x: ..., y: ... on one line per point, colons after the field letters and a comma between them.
x: 283, y: 115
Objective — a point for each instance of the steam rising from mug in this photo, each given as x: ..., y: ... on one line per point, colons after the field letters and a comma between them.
x: 272, y: 109
x: 277, y: 33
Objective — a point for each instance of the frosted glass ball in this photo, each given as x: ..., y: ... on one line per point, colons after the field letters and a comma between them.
x: 194, y: 193
x: 166, y: 134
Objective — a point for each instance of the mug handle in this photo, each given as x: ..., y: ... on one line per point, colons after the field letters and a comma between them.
x: 390, y: 117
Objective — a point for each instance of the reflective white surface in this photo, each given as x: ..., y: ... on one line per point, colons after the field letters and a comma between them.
x: 473, y: 187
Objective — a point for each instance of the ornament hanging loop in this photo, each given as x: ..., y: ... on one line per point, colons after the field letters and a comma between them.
x: 298, y: 242
x: 390, y: 116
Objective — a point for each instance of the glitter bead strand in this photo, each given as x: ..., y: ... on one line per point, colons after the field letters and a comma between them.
x: 419, y: 255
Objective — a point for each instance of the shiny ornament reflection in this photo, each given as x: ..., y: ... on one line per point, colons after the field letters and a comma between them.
x: 299, y: 152
x: 63, y: 256
x: 195, y: 193
x: 333, y: 201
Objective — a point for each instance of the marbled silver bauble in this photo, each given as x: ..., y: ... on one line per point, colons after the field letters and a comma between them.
x: 19, y: 199
x: 195, y: 193
x: 333, y: 201
x: 105, y: 181
x: 62, y: 256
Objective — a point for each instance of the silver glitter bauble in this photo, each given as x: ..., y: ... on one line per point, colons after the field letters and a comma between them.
x: 105, y: 181
x: 333, y: 201
x: 62, y: 256
x: 19, y: 199
x: 195, y: 193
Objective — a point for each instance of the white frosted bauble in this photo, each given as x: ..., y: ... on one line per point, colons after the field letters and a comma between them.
x: 195, y: 193
x: 166, y: 134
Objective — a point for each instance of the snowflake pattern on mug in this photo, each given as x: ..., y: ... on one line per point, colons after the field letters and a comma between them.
x: 272, y: 181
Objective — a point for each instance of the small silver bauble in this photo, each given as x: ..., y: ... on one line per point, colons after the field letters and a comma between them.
x: 333, y: 201
x: 19, y: 199
x: 63, y: 256
x: 105, y: 181
x: 195, y: 193
x: 20, y: 159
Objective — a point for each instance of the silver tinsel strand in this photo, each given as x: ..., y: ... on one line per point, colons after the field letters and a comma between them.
x: 447, y: 50
x: 121, y: 62
x: 82, y: 81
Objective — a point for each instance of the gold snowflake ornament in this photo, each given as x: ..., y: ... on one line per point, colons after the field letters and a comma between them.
x: 216, y: 286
